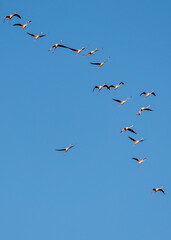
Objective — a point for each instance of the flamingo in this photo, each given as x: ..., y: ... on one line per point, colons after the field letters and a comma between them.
x: 128, y: 129
x: 65, y: 149
x: 22, y: 25
x: 139, y: 161
x: 100, y: 87
x: 100, y: 64
x: 144, y: 108
x: 121, y: 102
x: 158, y: 189
x: 116, y: 87
x: 77, y: 50
x: 57, y: 45
x: 91, y: 52
x: 136, y: 141
x: 148, y: 94
x: 11, y: 16
x: 36, y: 36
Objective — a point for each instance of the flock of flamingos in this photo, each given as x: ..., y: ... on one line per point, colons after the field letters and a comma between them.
x: 78, y: 51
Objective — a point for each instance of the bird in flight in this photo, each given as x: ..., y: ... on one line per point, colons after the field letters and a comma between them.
x: 11, y: 16
x: 116, y: 87
x: 128, y: 129
x: 144, y: 108
x: 36, y: 36
x: 57, y: 45
x: 158, y: 189
x: 22, y: 25
x: 65, y: 149
x: 139, y: 161
x: 91, y: 52
x: 136, y: 141
x: 100, y: 64
x: 121, y: 102
x: 77, y: 50
x: 100, y: 87
x: 148, y: 94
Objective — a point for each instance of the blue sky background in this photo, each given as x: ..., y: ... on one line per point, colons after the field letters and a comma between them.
x: 46, y: 101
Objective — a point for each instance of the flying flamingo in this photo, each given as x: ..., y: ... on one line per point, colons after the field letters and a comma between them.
x: 128, y: 129
x: 136, y: 141
x: 65, y: 149
x: 148, y: 94
x: 139, y: 161
x: 144, y: 108
x: 91, y: 52
x: 116, y: 87
x: 121, y: 102
x: 36, y: 36
x: 100, y: 87
x: 158, y: 189
x: 77, y: 50
x: 22, y: 25
x: 11, y: 16
x: 57, y: 45
x: 100, y: 64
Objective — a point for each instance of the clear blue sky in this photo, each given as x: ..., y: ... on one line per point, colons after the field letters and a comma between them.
x: 46, y: 102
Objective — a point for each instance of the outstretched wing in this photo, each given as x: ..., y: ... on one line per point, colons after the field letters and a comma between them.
x: 71, y: 146
x: 17, y: 15
x: 161, y: 189
x: 18, y: 24
x: 153, y: 93
x: 73, y: 49
x: 95, y: 87
x: 136, y: 159
x: 105, y: 85
x: 117, y: 100
x: 131, y: 130
x: 5, y: 18
x: 132, y: 139
x: 63, y: 149
x: 42, y: 35
x: 148, y: 109
x: 31, y: 34
x: 62, y: 46
x: 95, y: 63
x: 142, y: 93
